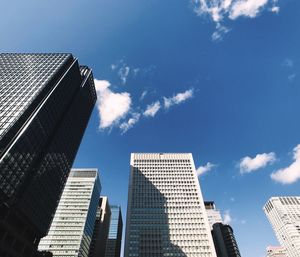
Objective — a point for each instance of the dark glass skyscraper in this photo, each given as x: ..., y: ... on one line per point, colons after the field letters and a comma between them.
x: 224, y: 240
x: 101, y: 228
x: 45, y: 104
x: 113, y: 245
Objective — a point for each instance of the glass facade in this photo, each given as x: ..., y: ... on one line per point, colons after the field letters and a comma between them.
x: 101, y: 228
x: 113, y: 245
x: 166, y: 214
x: 52, y: 98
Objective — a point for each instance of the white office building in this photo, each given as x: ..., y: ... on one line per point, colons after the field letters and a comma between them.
x: 213, y: 214
x: 166, y: 214
x: 72, y: 226
x: 284, y: 216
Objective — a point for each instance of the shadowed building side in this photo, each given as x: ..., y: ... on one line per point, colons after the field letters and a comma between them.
x: 101, y: 228
x: 114, y: 241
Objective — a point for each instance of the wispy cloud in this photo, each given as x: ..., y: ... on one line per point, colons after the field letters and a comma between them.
x: 111, y: 106
x: 123, y: 73
x: 178, y: 98
x: 227, y: 217
x: 152, y: 109
x: 220, y: 11
x: 143, y: 95
x: 126, y: 125
x: 219, y: 32
x: 248, y: 164
x: 290, y: 174
x: 206, y: 168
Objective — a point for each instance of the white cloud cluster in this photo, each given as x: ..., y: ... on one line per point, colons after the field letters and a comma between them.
x: 219, y: 10
x: 291, y: 173
x: 152, y: 109
x: 248, y: 164
x: 111, y: 106
x: 114, y: 108
x: 203, y: 169
x: 178, y: 98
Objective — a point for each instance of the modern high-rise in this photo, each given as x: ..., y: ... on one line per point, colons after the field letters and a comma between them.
x: 45, y: 104
x: 72, y: 227
x: 213, y: 214
x: 101, y: 228
x: 224, y: 240
x: 276, y: 251
x: 113, y: 245
x: 284, y: 216
x: 166, y: 214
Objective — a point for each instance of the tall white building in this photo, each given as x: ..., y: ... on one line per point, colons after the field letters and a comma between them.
x: 213, y: 214
x: 284, y: 216
x: 72, y: 226
x: 166, y: 214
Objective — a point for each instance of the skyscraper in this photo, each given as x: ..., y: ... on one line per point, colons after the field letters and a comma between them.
x: 71, y: 230
x: 213, y: 215
x: 46, y: 102
x: 113, y: 245
x: 284, y: 216
x: 101, y: 228
x: 224, y: 240
x: 166, y: 214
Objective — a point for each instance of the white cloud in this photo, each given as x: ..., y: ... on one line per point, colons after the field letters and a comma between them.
x: 203, y: 169
x: 130, y: 123
x: 222, y: 10
x: 111, y: 106
x: 152, y: 109
x: 113, y: 66
x: 123, y: 73
x: 178, y: 98
x: 248, y: 8
x: 248, y: 164
x: 291, y: 173
x: 275, y: 9
x: 227, y: 217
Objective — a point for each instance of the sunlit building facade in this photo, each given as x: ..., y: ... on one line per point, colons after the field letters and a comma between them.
x: 166, y: 214
x: 71, y: 231
x: 284, y: 216
x: 213, y: 214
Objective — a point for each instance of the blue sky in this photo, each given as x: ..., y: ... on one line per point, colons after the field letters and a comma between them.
x: 220, y: 80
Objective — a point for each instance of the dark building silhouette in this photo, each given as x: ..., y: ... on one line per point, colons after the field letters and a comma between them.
x: 113, y: 245
x: 46, y: 102
x: 224, y: 240
x: 101, y: 229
